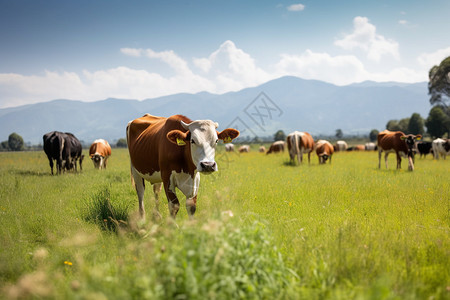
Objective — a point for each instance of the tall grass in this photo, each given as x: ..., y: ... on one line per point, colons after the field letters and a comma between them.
x: 342, y: 231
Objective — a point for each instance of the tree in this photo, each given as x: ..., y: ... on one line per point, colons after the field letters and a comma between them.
x: 279, y: 136
x: 393, y: 125
x: 15, y: 142
x: 415, y: 125
x: 4, y: 146
x: 438, y: 123
x: 339, y: 134
x: 439, y: 85
x: 121, y: 143
x: 373, y: 135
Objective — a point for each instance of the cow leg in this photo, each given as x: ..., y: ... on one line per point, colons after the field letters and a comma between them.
x: 191, y: 206
x: 309, y: 158
x: 174, y: 204
x: 379, y: 158
x: 50, y: 160
x: 399, y: 161
x: 139, y: 185
x: 386, y: 159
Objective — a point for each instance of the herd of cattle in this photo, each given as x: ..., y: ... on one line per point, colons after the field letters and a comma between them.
x: 65, y: 149
x: 172, y: 152
x: 387, y: 141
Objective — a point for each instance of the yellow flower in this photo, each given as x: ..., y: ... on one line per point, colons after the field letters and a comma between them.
x: 68, y: 263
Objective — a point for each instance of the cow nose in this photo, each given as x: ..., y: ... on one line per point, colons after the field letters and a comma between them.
x: 208, y: 166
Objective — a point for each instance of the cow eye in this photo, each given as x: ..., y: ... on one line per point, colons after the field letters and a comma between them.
x: 192, y: 141
x: 217, y: 141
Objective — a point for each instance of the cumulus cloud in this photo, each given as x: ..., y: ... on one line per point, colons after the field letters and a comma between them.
x: 428, y: 60
x: 365, y: 38
x: 228, y: 68
x: 296, y: 7
x: 231, y: 68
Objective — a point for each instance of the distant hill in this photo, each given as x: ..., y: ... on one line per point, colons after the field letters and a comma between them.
x: 287, y: 103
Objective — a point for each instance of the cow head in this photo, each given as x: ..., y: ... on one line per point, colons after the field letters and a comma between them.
x: 410, y: 141
x: 202, y: 138
x: 97, y: 159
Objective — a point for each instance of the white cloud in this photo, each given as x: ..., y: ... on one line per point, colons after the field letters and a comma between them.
x: 231, y: 68
x: 403, y: 22
x: 226, y: 69
x: 365, y: 37
x: 296, y: 7
x: 428, y: 60
x: 132, y: 52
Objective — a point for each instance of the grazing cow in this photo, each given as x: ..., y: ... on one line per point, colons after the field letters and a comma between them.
x: 244, y: 149
x: 99, y: 152
x: 341, y: 146
x: 324, y: 150
x: 441, y: 147
x: 299, y: 143
x: 173, y: 151
x: 276, y: 147
x: 72, y: 152
x: 53, y: 148
x: 424, y: 148
x: 370, y: 146
x: 229, y: 147
x: 262, y: 149
x: 398, y: 142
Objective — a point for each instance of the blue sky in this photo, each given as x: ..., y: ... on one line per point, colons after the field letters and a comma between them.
x: 92, y: 50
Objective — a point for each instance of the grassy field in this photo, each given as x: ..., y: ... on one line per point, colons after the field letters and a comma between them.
x: 264, y: 229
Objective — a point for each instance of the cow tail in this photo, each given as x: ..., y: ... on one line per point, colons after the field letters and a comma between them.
x: 133, y: 183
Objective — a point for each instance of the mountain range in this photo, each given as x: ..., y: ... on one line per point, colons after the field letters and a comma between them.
x: 288, y: 103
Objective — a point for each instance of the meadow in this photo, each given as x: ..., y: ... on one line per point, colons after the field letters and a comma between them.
x: 264, y: 229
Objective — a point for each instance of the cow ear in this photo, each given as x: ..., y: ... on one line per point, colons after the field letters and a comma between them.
x: 177, y: 137
x: 418, y: 137
x: 228, y: 135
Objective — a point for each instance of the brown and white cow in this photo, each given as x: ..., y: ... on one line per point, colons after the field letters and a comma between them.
x: 262, y: 149
x: 244, y: 149
x: 99, y: 152
x: 299, y: 143
x: 398, y: 142
x: 229, y: 147
x: 276, y: 147
x: 441, y: 147
x: 173, y: 151
x: 324, y: 150
x: 341, y: 146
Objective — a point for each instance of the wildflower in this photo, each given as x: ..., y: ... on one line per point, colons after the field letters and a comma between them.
x: 68, y: 263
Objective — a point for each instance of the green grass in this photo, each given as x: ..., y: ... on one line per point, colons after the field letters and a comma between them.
x: 342, y: 231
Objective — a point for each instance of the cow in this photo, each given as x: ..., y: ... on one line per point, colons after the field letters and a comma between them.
x: 441, y: 147
x: 299, y: 143
x: 424, y: 148
x: 229, y: 147
x: 324, y: 150
x: 276, y: 147
x: 99, y: 152
x: 72, y: 152
x: 173, y: 152
x: 398, y: 142
x: 244, y: 149
x: 262, y: 149
x: 340, y: 146
x: 53, y: 148
x: 370, y: 147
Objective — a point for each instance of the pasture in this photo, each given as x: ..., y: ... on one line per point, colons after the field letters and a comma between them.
x: 263, y: 229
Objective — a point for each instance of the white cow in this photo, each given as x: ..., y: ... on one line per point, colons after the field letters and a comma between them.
x: 441, y: 147
x: 341, y: 146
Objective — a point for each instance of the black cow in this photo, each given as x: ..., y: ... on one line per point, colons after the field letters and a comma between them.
x: 72, y: 152
x: 424, y: 148
x: 54, y: 147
